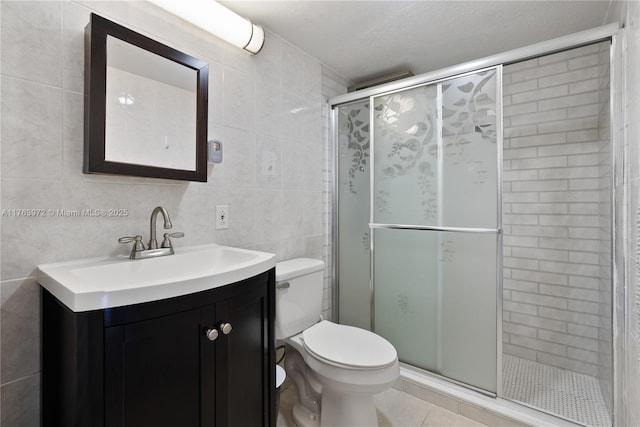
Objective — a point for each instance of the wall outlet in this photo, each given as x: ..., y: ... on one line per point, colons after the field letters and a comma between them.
x: 222, y: 217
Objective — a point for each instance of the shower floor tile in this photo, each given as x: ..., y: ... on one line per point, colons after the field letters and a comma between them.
x: 565, y: 393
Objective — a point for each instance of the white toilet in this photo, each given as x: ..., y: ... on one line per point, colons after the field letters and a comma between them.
x: 337, y: 369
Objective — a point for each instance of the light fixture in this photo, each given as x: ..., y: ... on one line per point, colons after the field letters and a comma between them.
x: 213, y: 17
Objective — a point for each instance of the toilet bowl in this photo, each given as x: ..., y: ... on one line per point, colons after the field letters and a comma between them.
x: 337, y: 369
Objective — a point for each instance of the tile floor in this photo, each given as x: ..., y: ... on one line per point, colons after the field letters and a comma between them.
x: 568, y: 394
x: 395, y: 409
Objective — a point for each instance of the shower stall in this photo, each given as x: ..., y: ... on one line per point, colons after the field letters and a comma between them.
x: 473, y: 223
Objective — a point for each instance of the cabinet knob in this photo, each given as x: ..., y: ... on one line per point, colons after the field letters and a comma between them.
x: 225, y: 328
x: 212, y: 334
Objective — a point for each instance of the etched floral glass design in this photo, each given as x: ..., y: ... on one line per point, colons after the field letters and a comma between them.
x: 353, y: 215
x: 469, y: 176
x: 435, y: 148
x: 406, y: 137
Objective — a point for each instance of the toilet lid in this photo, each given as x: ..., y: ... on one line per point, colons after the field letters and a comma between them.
x: 348, y: 346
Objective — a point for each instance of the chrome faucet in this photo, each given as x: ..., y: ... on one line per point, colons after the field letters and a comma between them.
x: 153, y: 243
x: 138, y: 251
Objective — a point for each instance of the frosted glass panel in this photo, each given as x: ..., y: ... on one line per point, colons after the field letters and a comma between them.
x: 435, y: 301
x: 407, y: 294
x: 353, y: 215
x: 469, y: 308
x: 435, y: 154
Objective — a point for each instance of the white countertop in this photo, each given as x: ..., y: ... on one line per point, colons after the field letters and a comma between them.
x: 106, y: 282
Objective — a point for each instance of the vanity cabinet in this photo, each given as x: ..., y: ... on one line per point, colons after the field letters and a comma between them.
x: 203, y: 359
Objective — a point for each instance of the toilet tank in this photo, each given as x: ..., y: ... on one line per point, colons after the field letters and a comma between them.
x: 299, y: 284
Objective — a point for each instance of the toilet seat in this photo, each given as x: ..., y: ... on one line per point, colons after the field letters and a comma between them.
x: 348, y: 347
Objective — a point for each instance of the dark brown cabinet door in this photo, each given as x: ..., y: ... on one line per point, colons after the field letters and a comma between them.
x: 242, y: 356
x: 153, y: 371
x: 167, y: 372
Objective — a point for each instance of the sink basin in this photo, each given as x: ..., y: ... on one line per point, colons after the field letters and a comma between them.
x: 106, y: 282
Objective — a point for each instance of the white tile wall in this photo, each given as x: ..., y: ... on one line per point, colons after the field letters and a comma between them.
x: 628, y: 13
x: 267, y: 109
x: 627, y: 301
x: 553, y: 220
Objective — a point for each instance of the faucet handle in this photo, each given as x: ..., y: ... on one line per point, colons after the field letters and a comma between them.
x: 166, y: 243
x: 137, y: 242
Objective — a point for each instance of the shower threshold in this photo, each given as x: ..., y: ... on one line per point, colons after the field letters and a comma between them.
x: 568, y: 394
x: 471, y: 404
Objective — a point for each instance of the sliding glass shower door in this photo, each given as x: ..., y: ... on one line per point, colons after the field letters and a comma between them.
x: 432, y: 192
x: 434, y: 218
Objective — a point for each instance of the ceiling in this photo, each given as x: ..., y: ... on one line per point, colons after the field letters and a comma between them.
x: 366, y: 39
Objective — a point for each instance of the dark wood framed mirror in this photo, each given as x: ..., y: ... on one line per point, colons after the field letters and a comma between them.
x: 145, y: 108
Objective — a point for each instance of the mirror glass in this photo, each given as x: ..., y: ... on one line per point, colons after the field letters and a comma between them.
x: 145, y: 106
x: 150, y: 109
